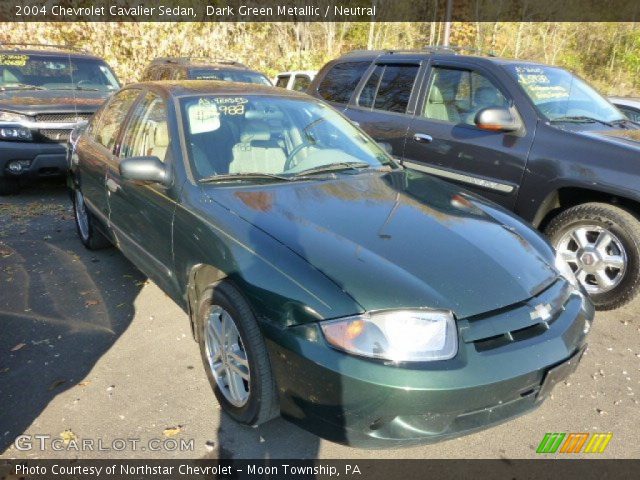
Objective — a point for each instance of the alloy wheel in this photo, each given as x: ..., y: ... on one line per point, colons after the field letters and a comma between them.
x: 82, y: 217
x: 227, y: 357
x: 596, y: 256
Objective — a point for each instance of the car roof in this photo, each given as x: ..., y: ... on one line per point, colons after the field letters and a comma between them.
x: 629, y: 101
x: 435, y: 53
x: 50, y: 52
x: 297, y: 72
x: 198, y: 62
x: 185, y: 88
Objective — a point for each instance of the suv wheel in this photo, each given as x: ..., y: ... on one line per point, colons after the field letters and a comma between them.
x: 9, y: 186
x: 601, y: 243
x: 235, y: 356
x: 90, y: 237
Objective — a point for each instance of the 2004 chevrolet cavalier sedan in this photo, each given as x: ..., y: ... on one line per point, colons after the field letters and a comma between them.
x: 369, y: 304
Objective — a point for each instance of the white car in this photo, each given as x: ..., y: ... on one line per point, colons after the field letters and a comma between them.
x: 629, y: 106
x: 297, y: 80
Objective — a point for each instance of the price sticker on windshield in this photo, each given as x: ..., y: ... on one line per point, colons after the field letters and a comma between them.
x: 203, y: 116
x: 231, y: 105
x: 13, y: 60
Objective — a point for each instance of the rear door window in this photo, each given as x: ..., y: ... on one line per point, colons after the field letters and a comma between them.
x: 389, y: 88
x: 341, y: 80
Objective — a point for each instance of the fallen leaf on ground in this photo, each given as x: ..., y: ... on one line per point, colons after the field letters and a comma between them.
x: 91, y: 303
x: 56, y: 384
x: 67, y: 436
x: 84, y: 384
x: 172, y: 431
x: 18, y: 347
x: 4, y: 370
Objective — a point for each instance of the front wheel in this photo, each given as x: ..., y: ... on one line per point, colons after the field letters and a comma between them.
x: 90, y: 237
x: 601, y: 244
x: 235, y: 356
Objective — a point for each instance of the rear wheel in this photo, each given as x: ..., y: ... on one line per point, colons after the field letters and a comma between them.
x: 89, y: 235
x: 9, y: 186
x: 601, y: 244
x: 235, y: 356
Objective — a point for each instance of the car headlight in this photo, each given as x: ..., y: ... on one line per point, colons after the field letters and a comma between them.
x: 565, y: 270
x: 396, y: 335
x: 13, y: 117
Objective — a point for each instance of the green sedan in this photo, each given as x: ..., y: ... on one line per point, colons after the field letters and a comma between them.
x: 370, y: 304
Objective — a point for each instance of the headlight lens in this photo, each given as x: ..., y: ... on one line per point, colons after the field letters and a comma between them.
x: 399, y: 335
x: 565, y: 270
x: 12, y: 117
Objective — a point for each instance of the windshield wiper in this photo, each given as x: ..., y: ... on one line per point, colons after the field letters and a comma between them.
x: 625, y: 121
x: 21, y: 86
x: 581, y: 119
x: 230, y: 177
x: 333, y: 167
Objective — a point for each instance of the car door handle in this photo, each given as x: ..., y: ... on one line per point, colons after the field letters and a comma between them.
x: 422, y: 138
x: 357, y: 124
x: 112, y: 185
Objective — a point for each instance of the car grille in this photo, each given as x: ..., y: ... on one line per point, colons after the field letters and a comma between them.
x: 517, y: 322
x: 62, y: 117
x: 55, y: 135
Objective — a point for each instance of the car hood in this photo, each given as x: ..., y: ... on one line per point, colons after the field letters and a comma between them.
x: 32, y: 102
x: 397, y: 240
x: 626, y: 138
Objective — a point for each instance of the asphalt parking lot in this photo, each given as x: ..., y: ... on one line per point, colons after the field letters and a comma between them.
x: 89, y: 349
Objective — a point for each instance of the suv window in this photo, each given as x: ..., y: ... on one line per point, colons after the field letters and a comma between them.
x: 301, y: 83
x: 456, y: 96
x: 147, y: 133
x: 389, y: 88
x: 106, y: 131
x: 341, y: 80
x: 283, y: 81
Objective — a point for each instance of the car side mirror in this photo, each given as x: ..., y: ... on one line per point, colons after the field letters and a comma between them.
x: 498, y: 119
x: 144, y: 169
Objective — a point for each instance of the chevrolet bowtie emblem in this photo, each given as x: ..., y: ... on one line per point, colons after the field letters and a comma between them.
x: 542, y: 311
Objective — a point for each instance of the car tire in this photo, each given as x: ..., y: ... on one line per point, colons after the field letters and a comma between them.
x: 9, y: 186
x: 590, y: 221
x: 261, y: 403
x: 89, y: 235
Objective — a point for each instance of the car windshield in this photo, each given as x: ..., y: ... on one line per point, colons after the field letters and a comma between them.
x: 52, y: 72
x: 244, y: 76
x: 561, y: 96
x: 263, y: 137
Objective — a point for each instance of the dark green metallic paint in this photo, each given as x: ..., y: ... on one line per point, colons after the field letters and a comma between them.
x: 342, y: 244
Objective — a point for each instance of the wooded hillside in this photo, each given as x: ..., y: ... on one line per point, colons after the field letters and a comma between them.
x: 606, y: 54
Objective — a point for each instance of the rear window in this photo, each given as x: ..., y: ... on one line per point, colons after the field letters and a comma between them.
x: 244, y: 76
x: 341, y: 80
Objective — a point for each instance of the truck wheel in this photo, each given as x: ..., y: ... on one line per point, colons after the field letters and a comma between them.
x: 235, y: 356
x: 601, y: 243
x: 9, y: 186
x: 90, y: 237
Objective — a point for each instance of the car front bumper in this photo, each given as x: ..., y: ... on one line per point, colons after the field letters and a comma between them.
x: 372, y: 404
x: 39, y: 159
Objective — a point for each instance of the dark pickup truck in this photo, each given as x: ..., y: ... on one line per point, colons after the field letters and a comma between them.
x: 534, y: 138
x: 45, y: 92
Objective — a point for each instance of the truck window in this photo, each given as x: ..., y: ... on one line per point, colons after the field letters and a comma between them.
x: 341, y: 80
x: 456, y: 96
